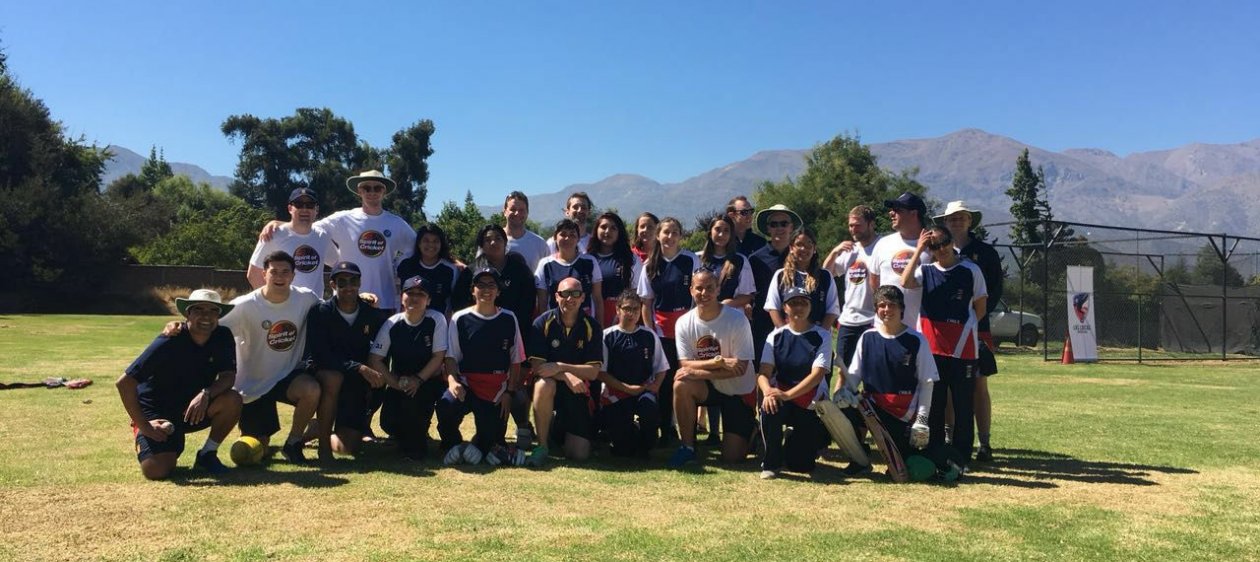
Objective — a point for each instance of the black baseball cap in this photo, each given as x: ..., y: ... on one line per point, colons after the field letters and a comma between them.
x: 492, y: 272
x: 417, y: 282
x: 302, y: 192
x: 345, y: 267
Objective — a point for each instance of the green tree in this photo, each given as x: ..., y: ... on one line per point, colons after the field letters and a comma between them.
x: 1029, y: 206
x: 839, y: 175
x: 316, y: 149
x: 206, y: 227
x: 1210, y: 270
x: 155, y: 169
x: 461, y: 225
x: 54, y: 224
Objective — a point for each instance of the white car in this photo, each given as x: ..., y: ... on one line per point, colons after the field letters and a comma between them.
x: 1020, y: 328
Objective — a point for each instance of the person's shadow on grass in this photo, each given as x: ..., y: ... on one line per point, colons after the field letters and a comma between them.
x: 1039, y: 469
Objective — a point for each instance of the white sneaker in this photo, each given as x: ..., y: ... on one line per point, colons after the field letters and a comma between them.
x: 768, y: 474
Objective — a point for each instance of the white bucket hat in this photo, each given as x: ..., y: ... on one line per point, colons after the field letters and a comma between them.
x: 370, y: 175
x: 959, y: 207
x: 202, y: 296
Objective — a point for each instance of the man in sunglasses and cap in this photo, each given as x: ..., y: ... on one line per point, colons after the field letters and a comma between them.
x: 893, y: 251
x: 370, y: 236
x: 339, y: 335
x: 182, y: 384
x: 311, y: 248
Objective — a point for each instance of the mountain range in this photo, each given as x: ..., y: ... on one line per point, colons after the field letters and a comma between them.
x: 1197, y: 187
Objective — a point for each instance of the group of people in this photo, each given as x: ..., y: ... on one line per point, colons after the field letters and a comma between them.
x: 605, y: 332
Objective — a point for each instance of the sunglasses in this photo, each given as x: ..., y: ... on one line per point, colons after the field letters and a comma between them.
x: 779, y: 224
x: 743, y: 212
x: 300, y: 205
x: 343, y: 282
x: 372, y: 188
x: 570, y: 294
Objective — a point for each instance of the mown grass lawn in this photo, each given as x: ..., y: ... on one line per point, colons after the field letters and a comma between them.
x: 1094, y: 462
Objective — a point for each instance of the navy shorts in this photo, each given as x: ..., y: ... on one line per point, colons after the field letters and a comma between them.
x: 174, y: 443
x: 259, y: 418
x: 573, y: 414
x: 352, y: 403
x: 987, y: 364
x: 738, y: 416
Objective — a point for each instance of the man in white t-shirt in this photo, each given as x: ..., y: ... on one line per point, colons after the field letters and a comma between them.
x: 311, y: 248
x: 715, y: 357
x: 521, y: 240
x: 849, y: 263
x: 269, y: 325
x: 372, y: 238
x: 577, y: 208
x: 894, y: 250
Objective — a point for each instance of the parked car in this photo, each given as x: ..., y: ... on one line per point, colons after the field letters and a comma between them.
x: 1020, y: 328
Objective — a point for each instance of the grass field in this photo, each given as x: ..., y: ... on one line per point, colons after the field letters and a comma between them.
x: 1094, y: 462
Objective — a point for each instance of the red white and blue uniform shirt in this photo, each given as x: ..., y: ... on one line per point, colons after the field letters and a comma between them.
x: 738, y: 284
x: 822, y: 299
x: 891, y: 368
x: 670, y: 290
x: 441, y: 277
x: 552, y: 270
x: 485, y: 348
x: 408, y: 348
x: 550, y: 341
x: 616, y: 280
x: 728, y: 335
x: 889, y: 259
x: 634, y: 358
x: 796, y: 354
x: 947, y: 317
x: 311, y: 252
x: 852, y: 270
x: 375, y: 243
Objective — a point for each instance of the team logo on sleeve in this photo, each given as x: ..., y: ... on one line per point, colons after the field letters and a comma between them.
x: 708, y: 347
x: 900, y: 260
x: 305, y: 258
x: 371, y: 243
x: 281, y: 335
x: 857, y: 272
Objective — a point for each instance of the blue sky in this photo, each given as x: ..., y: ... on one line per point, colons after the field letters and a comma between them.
x: 538, y: 95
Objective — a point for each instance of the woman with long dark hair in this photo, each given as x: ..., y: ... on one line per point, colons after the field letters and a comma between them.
x: 432, y: 261
x: 719, y: 255
x: 666, y: 283
x: 800, y: 269
x: 644, y: 235
x: 619, y: 267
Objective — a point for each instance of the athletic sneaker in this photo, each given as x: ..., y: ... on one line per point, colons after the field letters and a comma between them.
x: 209, y: 462
x: 524, y: 436
x: 952, y: 472
x: 768, y: 474
x: 538, y: 457
x: 682, y: 455
x: 293, y: 452
x: 984, y: 454
x: 855, y: 469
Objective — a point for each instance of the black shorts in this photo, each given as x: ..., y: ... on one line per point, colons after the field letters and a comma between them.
x: 573, y: 413
x: 174, y: 443
x: 738, y: 416
x: 259, y: 418
x: 987, y: 363
x: 353, y: 401
x: 846, y: 341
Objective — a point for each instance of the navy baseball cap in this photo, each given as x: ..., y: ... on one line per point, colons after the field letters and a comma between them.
x: 417, y: 282
x: 492, y: 272
x: 302, y: 192
x: 906, y: 200
x: 345, y: 267
x: 795, y: 293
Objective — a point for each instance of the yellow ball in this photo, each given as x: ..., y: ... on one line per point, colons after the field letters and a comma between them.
x: 247, y: 451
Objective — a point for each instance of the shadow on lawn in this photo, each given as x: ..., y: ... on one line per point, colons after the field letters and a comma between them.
x: 1038, y: 469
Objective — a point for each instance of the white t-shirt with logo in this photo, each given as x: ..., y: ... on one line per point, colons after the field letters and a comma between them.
x: 889, y: 259
x: 728, y: 335
x: 853, y: 269
x: 311, y: 252
x: 270, y: 338
x: 375, y: 243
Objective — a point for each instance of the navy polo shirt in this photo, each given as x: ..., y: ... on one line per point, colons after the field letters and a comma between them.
x: 171, y: 371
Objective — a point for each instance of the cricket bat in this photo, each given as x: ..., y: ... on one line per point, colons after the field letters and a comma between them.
x: 841, y: 430
x: 892, y: 456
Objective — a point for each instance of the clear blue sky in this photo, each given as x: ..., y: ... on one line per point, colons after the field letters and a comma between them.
x: 539, y: 95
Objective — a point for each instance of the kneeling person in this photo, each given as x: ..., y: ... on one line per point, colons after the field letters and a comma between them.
x: 634, y: 366
x: 715, y: 357
x: 795, y: 359
x: 182, y: 384
x: 566, y: 351
x: 410, y: 349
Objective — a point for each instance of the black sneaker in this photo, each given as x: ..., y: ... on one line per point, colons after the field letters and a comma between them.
x: 209, y: 462
x: 984, y: 454
x: 293, y: 452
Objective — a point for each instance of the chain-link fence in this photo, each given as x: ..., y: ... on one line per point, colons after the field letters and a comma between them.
x: 1157, y: 294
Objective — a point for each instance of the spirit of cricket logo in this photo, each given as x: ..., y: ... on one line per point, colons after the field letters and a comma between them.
x: 371, y: 243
